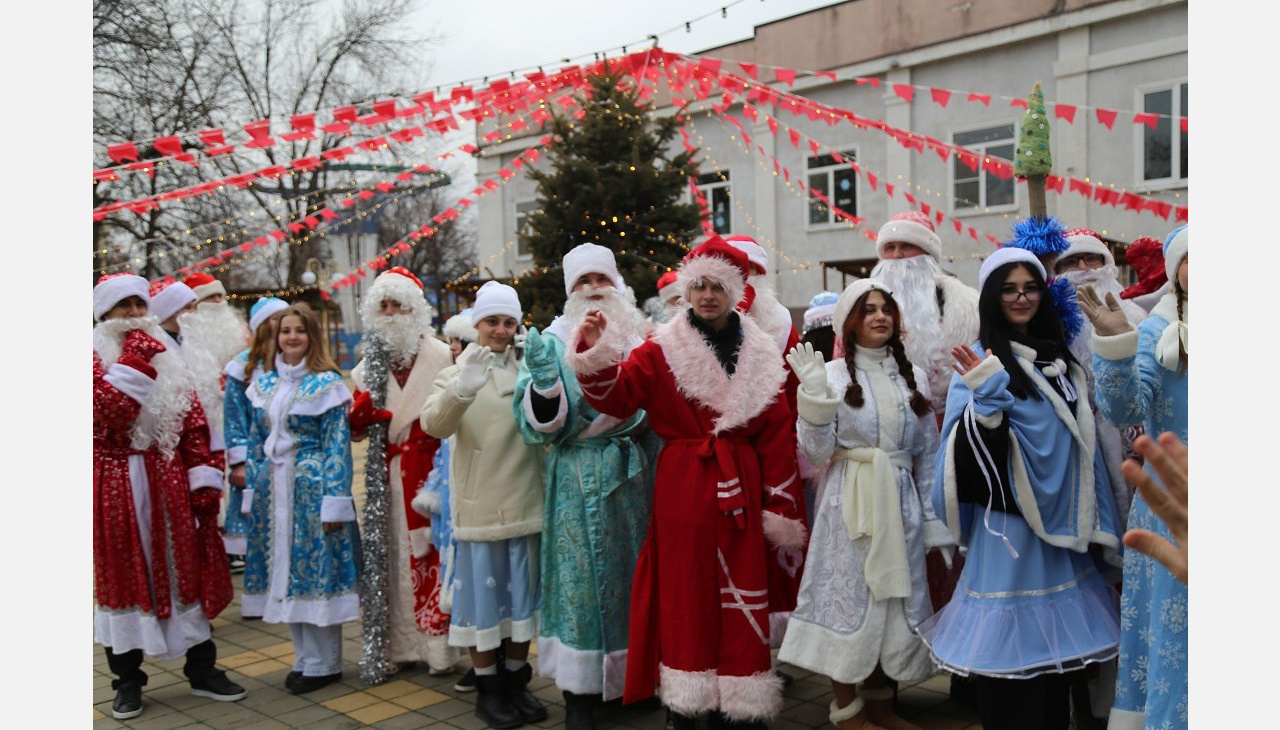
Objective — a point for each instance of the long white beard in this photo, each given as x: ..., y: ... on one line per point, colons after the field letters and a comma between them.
x: 765, y: 310
x: 912, y: 281
x: 400, y: 333
x: 619, y: 308
x: 1103, y: 280
x: 160, y: 423
x: 211, y: 336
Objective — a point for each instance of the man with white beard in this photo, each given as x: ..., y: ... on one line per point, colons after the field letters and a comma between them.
x: 396, y: 311
x: 667, y: 303
x: 596, y: 509
x: 212, y: 336
x: 939, y: 311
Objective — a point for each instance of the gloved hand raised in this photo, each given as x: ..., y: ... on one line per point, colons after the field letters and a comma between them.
x: 809, y: 368
x: 141, y: 345
x: 473, y: 369
x: 540, y: 357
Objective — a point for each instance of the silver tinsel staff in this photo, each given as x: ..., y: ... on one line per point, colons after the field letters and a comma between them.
x: 374, y: 664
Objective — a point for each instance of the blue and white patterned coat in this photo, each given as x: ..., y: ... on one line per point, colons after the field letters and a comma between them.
x: 1132, y: 388
x: 296, y: 572
x: 237, y: 413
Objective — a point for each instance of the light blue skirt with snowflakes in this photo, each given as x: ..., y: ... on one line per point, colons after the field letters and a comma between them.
x: 496, y: 592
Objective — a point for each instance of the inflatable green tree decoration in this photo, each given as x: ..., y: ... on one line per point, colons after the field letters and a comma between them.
x: 1033, y: 160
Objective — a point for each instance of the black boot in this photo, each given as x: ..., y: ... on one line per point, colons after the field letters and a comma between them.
x: 130, y: 679
x: 676, y: 721
x: 720, y: 721
x: 579, y: 711
x: 493, y: 705
x: 530, y: 709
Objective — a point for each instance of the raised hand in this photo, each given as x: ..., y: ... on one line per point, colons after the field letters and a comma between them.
x: 808, y: 365
x: 965, y: 359
x: 592, y: 327
x: 540, y: 358
x: 1107, y: 318
x: 1169, y: 460
x: 141, y: 345
x: 473, y: 369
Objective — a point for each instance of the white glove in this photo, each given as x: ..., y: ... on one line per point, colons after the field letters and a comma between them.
x: 1107, y: 318
x: 810, y: 368
x: 473, y: 369
x: 946, y: 551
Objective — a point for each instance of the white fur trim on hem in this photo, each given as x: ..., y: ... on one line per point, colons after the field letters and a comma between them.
x: 583, y: 672
x: 167, y: 638
x: 492, y: 533
x: 989, y: 366
x: 486, y: 639
x: 200, y: 477
x: 556, y: 391
x: 1126, y: 720
x: 133, y: 383
x: 235, y: 544
x: 1116, y: 347
x: 337, y: 509
x: 330, y: 611
x: 755, y: 697
x: 783, y: 532
x: 688, y: 693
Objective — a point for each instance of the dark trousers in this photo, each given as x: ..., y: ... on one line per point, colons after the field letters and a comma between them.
x: 128, y: 666
x: 1038, y: 703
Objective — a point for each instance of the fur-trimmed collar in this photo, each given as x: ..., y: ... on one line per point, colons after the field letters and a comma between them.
x: 753, y: 387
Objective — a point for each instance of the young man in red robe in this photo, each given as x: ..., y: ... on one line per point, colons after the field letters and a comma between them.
x: 726, y: 489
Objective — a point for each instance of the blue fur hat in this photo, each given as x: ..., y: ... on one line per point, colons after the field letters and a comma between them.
x: 1040, y: 236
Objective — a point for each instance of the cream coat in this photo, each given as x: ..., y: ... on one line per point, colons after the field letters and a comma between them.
x: 496, y: 488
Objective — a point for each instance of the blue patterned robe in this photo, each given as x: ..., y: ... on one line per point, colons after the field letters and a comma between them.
x: 1133, y: 388
x: 236, y: 415
x: 595, y: 518
x: 295, y: 571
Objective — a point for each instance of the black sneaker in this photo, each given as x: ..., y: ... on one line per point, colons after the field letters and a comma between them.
x: 307, y: 684
x: 291, y: 679
x: 128, y: 701
x: 467, y: 683
x: 215, y: 685
x: 236, y: 563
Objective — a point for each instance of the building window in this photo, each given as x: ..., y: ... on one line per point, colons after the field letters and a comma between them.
x: 715, y: 187
x: 832, y: 182
x: 1164, y: 149
x: 523, y: 211
x: 979, y: 189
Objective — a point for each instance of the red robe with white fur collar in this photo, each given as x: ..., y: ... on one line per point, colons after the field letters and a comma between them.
x: 726, y: 480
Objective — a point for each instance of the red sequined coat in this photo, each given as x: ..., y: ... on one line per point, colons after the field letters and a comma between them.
x: 149, y: 575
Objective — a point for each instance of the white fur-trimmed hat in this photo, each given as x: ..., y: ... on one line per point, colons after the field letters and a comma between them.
x: 262, y: 310
x: 112, y: 289
x: 912, y: 227
x: 496, y: 298
x: 1175, y: 250
x: 667, y: 286
x: 755, y: 253
x: 1085, y: 240
x: 850, y: 297
x: 590, y: 258
x: 398, y: 284
x: 168, y: 297
x: 204, y: 285
x: 717, y: 260
x: 1007, y: 255
x: 461, y: 327
x: 821, y: 311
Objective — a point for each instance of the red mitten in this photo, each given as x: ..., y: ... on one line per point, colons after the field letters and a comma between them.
x: 363, y: 413
x: 205, y: 503
x: 141, y: 345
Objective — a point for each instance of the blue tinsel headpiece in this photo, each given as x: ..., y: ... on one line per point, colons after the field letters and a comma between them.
x: 1040, y: 236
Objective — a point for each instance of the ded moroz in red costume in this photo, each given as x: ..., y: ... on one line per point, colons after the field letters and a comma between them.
x: 725, y: 490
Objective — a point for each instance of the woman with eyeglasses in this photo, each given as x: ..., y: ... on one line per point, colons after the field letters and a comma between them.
x: 1022, y: 487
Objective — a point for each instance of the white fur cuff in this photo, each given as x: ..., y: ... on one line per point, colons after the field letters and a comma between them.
x: 199, y: 477
x: 426, y: 503
x: 840, y: 714
x: 420, y: 541
x: 236, y: 455
x: 338, y: 509
x: 1116, y: 347
x: 989, y: 420
x: 133, y: 383
x: 818, y: 410
x: 936, y: 534
x: 751, y: 698
x: 688, y: 693
x: 979, y: 375
x: 608, y: 351
x: 783, y: 532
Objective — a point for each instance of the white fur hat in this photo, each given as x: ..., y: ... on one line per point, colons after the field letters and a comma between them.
x: 821, y: 311
x: 460, y: 326
x: 850, y: 296
x: 755, y: 254
x: 168, y: 297
x: 262, y: 310
x: 496, y: 298
x: 1084, y: 240
x: 398, y: 284
x: 112, y: 289
x: 1007, y: 255
x: 590, y: 258
x: 717, y: 260
x: 1175, y: 250
x: 910, y: 227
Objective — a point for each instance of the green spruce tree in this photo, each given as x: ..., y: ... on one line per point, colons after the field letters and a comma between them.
x: 610, y: 182
x: 1034, y: 162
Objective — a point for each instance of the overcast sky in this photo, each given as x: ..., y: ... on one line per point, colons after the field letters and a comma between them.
x: 490, y: 37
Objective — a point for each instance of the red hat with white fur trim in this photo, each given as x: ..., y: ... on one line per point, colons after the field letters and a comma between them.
x: 667, y: 286
x: 910, y: 227
x: 112, y: 289
x: 398, y: 284
x: 755, y: 253
x: 1085, y: 240
x: 716, y: 260
x: 204, y: 285
x: 168, y: 297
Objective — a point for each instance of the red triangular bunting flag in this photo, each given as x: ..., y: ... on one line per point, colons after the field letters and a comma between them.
x: 1151, y: 120
x: 748, y: 69
x: 785, y: 75
x: 940, y: 96
x: 795, y: 138
x: 985, y: 99
x: 1065, y: 111
x: 906, y: 91
x: 1019, y: 102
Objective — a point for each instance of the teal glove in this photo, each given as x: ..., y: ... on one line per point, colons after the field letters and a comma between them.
x: 540, y: 358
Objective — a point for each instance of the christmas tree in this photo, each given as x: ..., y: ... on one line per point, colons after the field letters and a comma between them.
x: 611, y: 183
x: 1033, y: 161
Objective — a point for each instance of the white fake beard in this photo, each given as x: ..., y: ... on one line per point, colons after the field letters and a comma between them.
x: 211, y: 336
x: 160, y: 422
x: 912, y: 282
x: 400, y: 333
x: 619, y: 308
x: 1103, y: 280
x: 765, y: 310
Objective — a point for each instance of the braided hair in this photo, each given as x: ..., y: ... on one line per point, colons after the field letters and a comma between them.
x: 1182, y: 351
x: 853, y: 394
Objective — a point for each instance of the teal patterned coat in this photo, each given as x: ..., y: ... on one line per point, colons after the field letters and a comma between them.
x: 300, y: 444
x: 595, y: 517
